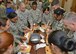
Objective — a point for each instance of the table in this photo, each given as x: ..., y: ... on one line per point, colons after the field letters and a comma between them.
x: 45, y: 50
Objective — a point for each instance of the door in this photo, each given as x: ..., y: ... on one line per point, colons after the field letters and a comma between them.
x: 63, y: 3
x: 73, y: 8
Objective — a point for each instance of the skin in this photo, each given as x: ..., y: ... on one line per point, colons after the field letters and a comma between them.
x: 9, y: 5
x: 22, y: 7
x: 0, y: 0
x: 70, y: 25
x: 8, y: 25
x: 34, y: 7
x: 46, y: 11
x: 58, y: 17
x: 14, y: 19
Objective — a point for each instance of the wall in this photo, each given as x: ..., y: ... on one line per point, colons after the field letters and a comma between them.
x: 68, y: 5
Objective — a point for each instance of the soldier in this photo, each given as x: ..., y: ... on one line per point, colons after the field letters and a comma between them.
x: 24, y: 15
x: 57, y: 45
x: 15, y: 27
x: 47, y: 17
x: 6, y: 46
x: 70, y: 23
x: 35, y: 13
x: 2, y: 12
x: 58, y: 22
x: 39, y: 3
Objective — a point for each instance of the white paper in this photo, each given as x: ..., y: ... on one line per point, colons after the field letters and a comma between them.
x: 41, y: 29
x: 42, y: 40
x: 42, y: 45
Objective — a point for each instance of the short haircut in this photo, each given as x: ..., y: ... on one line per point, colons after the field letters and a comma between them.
x: 11, y: 15
x: 8, y: 2
x: 34, y: 3
x: 45, y: 9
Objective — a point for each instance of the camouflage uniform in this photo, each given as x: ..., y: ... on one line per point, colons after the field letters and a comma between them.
x: 39, y: 5
x: 74, y: 38
x: 47, y: 18
x: 16, y: 29
x: 70, y: 16
x: 66, y: 14
x: 24, y: 17
x: 35, y: 15
x: 2, y: 13
x: 58, y: 25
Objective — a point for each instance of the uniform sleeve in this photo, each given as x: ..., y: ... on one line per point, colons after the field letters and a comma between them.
x: 51, y: 19
x: 30, y: 18
x: 40, y: 16
x: 43, y: 19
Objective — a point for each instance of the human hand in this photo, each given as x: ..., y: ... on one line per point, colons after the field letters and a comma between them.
x: 23, y: 38
x: 26, y: 30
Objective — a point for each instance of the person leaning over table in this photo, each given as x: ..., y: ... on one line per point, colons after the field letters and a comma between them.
x: 24, y: 15
x: 56, y: 44
x: 35, y: 13
x: 58, y: 22
x: 54, y: 5
x: 70, y: 24
x: 15, y: 27
x: 6, y: 41
x: 47, y: 18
